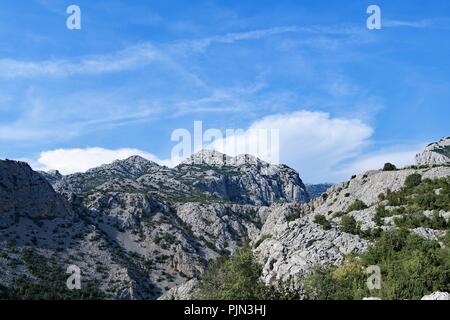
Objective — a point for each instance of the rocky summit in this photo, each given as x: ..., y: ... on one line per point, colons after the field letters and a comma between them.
x: 138, y: 230
x: 435, y: 153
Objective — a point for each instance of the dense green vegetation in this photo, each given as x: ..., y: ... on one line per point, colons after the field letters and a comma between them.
x: 417, y: 195
x: 423, y: 196
x: 235, y: 277
x: 410, y: 266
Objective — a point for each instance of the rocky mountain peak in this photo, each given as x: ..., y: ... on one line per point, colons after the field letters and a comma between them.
x: 216, y: 158
x: 243, y: 179
x: 208, y: 157
x: 435, y: 153
x: 135, y: 166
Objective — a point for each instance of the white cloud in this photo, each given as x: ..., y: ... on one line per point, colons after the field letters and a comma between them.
x: 408, y: 24
x: 314, y: 143
x: 141, y: 54
x: 126, y: 59
x: 69, y: 161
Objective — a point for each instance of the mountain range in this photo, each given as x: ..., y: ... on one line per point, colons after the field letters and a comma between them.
x: 139, y: 230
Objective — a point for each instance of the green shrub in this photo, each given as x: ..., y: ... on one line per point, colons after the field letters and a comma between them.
x: 357, y: 205
x: 331, y: 283
x: 292, y: 216
x: 338, y: 214
x: 413, y: 180
x: 349, y: 225
x: 389, y: 167
x: 235, y: 277
x: 322, y: 220
x: 380, y: 213
x: 447, y: 239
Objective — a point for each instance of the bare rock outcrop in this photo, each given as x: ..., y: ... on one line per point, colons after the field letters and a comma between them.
x: 436, y: 153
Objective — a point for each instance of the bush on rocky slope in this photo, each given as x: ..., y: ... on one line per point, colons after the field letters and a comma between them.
x: 234, y: 277
x: 389, y: 167
x: 238, y: 277
x: 322, y: 220
x: 410, y: 266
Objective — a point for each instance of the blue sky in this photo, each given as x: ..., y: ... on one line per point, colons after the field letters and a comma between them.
x: 345, y: 98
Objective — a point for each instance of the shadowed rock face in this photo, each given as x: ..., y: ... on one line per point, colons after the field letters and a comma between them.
x: 25, y: 193
x: 435, y: 153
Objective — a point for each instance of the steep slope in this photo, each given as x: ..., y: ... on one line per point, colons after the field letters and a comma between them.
x: 41, y: 235
x: 351, y: 216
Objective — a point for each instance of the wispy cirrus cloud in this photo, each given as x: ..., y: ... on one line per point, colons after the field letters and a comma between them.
x: 143, y: 54
x: 407, y: 24
x: 126, y: 59
x: 198, y: 45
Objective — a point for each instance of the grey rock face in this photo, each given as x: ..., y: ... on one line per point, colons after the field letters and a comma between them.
x: 437, y: 296
x: 182, y: 292
x: 429, y: 234
x: 222, y: 226
x: 35, y: 219
x: 435, y: 153
x: 51, y: 176
x: 25, y: 193
x: 434, y: 296
x: 243, y: 179
x: 292, y: 249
